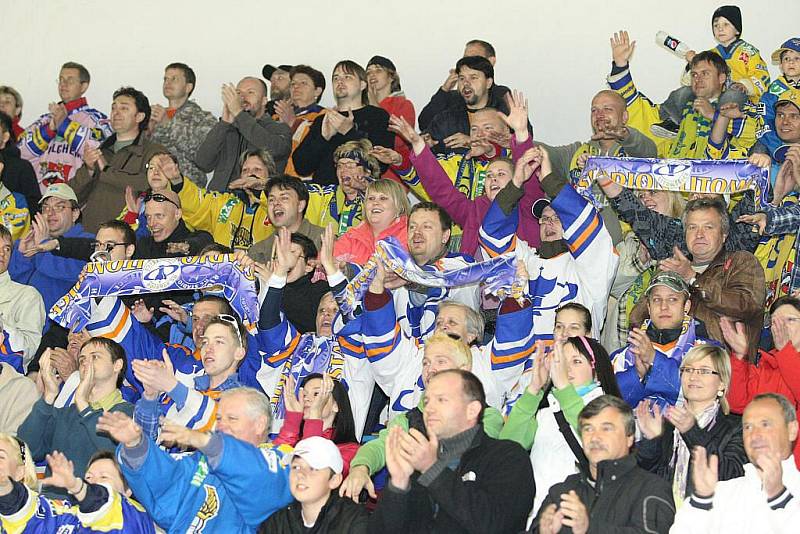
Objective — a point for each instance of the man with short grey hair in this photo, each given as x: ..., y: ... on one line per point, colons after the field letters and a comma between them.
x: 765, y: 499
x: 723, y: 283
x: 231, y: 484
x: 613, y: 494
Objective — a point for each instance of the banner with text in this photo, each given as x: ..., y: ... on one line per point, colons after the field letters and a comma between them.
x: 137, y: 277
x: 724, y: 177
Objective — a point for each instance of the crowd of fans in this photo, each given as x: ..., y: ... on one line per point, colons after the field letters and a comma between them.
x: 459, y: 328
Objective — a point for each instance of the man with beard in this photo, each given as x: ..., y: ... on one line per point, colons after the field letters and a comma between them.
x: 279, y: 85
x: 237, y: 218
x: 244, y: 126
x: 450, y: 128
x: 610, y: 137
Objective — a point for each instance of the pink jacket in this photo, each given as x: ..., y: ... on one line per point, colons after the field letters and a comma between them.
x: 358, y: 244
x: 468, y: 214
x: 290, y: 435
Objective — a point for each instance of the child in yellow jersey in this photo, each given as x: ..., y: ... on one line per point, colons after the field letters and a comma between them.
x: 748, y: 77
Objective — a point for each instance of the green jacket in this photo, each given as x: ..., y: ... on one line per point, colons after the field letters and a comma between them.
x: 521, y: 425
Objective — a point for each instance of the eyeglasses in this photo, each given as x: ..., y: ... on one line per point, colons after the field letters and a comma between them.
x: 791, y: 321
x: 549, y: 220
x: 231, y: 320
x: 698, y: 371
x: 56, y: 208
x: 158, y: 197
x: 107, y: 247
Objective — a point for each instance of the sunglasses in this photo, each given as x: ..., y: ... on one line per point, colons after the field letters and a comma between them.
x: 231, y: 320
x: 21, y: 445
x: 697, y: 371
x: 158, y: 197
x: 107, y: 247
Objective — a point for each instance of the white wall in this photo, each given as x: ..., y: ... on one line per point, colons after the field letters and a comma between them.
x: 556, y: 51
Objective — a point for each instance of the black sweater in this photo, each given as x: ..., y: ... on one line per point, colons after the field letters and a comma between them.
x: 491, y: 490
x: 314, y: 156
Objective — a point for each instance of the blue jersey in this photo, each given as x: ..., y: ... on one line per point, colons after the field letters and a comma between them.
x: 231, y: 491
x: 39, y: 515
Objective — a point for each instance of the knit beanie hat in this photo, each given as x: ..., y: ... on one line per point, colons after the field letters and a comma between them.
x: 732, y: 14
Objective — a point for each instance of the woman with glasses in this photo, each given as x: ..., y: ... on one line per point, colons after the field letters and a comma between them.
x: 96, y: 500
x: 575, y: 372
x: 703, y: 419
x: 777, y: 370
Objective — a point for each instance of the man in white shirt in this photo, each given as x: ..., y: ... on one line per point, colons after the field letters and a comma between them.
x: 767, y: 498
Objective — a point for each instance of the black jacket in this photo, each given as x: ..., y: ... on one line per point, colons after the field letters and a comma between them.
x: 181, y: 242
x: 722, y: 437
x: 314, y: 156
x: 624, y: 499
x: 443, y: 100
x: 490, y: 491
x: 339, y: 515
x: 18, y: 177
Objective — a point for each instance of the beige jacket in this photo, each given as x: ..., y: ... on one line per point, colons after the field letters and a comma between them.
x: 18, y: 394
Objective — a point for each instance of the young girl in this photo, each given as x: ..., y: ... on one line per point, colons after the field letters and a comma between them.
x: 322, y: 408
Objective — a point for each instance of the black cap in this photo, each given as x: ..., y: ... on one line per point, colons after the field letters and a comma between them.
x: 269, y: 70
x: 381, y: 61
x: 539, y: 206
x: 733, y: 15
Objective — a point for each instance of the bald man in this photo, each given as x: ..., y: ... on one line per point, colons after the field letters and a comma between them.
x: 611, y: 136
x: 243, y: 126
x: 169, y: 236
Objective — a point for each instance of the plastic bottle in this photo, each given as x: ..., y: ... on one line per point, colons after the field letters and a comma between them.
x: 672, y: 44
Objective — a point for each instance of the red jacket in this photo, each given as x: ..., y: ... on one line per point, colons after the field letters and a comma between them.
x: 357, y: 245
x: 290, y: 435
x: 778, y: 371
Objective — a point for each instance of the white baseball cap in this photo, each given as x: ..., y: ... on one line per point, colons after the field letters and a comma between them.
x: 59, y: 190
x: 319, y: 453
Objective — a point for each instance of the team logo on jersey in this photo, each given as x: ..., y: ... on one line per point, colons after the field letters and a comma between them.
x: 225, y: 212
x: 208, y: 510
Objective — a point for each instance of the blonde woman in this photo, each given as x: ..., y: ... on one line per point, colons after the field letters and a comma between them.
x: 385, y: 214
x: 100, y: 501
x: 702, y: 420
